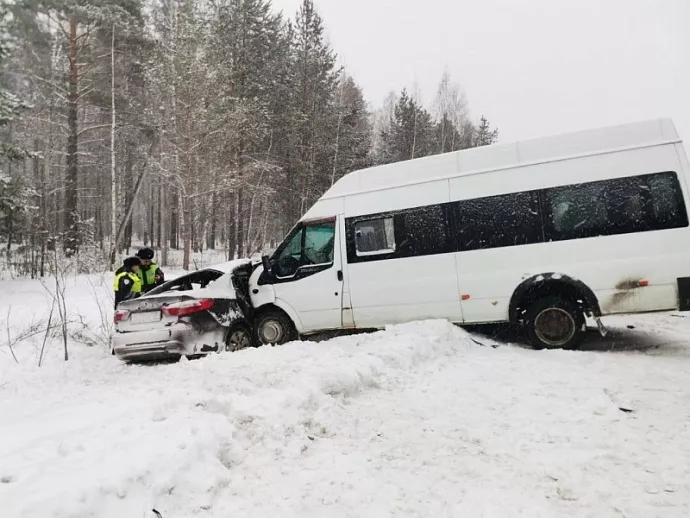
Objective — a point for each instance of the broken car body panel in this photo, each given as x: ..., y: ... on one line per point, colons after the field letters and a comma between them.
x: 146, y: 328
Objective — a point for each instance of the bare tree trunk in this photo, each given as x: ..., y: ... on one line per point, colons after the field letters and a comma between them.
x: 174, y: 221
x: 414, y: 135
x: 129, y: 195
x: 130, y: 206
x: 184, y: 230
x: 232, y: 228
x: 337, y: 131
x: 72, y: 170
x: 240, y: 222
x: 211, y: 237
x: 113, y: 175
x: 152, y: 214
x: 164, y: 243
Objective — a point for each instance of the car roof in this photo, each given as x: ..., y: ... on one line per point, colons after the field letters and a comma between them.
x: 228, y: 266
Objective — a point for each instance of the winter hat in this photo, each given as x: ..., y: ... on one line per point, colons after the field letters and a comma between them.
x: 145, y: 253
x: 131, y: 261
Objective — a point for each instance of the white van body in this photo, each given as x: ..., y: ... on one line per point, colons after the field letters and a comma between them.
x: 613, y: 261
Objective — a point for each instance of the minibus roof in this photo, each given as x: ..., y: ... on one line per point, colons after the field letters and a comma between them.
x: 506, y: 156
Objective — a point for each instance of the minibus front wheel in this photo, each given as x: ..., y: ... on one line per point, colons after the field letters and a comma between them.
x: 273, y: 327
x: 555, y: 323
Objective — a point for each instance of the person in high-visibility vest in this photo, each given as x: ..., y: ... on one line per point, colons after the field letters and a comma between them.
x: 127, y: 284
x: 149, y: 272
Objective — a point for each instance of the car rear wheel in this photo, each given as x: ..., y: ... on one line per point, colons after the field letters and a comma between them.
x: 273, y: 328
x: 555, y: 323
x: 239, y: 337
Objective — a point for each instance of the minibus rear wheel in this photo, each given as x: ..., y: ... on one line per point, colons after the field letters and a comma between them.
x: 555, y: 323
x: 273, y: 327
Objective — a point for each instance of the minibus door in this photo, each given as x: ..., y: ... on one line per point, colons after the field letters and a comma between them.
x: 308, y: 275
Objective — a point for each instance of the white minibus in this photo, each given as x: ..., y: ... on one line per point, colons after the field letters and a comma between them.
x: 539, y: 233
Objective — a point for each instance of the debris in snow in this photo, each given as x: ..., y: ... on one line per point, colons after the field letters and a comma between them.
x: 623, y: 407
x: 566, y: 494
x: 493, y: 345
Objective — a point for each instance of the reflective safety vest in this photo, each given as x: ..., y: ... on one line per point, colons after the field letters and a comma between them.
x: 148, y: 277
x: 136, y: 282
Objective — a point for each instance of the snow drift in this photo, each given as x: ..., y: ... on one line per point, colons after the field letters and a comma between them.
x: 110, y: 440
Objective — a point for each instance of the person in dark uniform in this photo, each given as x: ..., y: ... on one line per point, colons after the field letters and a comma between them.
x: 149, y: 272
x: 127, y: 284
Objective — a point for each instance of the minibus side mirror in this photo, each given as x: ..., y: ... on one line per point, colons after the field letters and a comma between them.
x: 266, y: 264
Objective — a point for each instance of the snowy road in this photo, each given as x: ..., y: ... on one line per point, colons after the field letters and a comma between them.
x: 418, y: 420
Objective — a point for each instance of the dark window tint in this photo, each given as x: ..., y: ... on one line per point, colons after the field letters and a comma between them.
x: 667, y: 205
x: 576, y: 210
x: 611, y: 207
x: 497, y: 221
x: 407, y: 233
x: 422, y: 231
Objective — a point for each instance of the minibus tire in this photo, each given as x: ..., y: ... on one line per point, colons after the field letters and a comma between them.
x: 555, y: 323
x: 280, y: 326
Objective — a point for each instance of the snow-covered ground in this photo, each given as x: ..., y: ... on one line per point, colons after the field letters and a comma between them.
x: 417, y: 420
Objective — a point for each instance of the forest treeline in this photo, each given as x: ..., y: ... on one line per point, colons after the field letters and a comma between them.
x: 186, y: 124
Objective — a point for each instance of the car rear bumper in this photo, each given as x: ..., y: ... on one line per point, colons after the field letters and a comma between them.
x: 176, y: 340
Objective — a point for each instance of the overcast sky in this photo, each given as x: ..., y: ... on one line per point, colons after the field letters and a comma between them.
x: 533, y: 67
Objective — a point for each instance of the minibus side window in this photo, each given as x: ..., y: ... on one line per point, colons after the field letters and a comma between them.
x: 375, y: 236
x: 289, y: 259
x: 613, y: 207
x: 310, y: 245
x: 318, y: 243
x: 423, y: 231
x: 667, y: 206
x: 498, y: 221
x: 627, y: 201
x: 576, y: 211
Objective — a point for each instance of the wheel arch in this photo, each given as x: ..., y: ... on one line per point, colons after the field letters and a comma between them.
x: 279, y: 305
x: 548, y: 284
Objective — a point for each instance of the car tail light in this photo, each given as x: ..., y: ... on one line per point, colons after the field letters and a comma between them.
x: 188, y: 307
x: 120, y: 315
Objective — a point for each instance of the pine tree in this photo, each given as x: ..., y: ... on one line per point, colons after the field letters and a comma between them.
x: 484, y: 135
x: 353, y: 130
x: 411, y: 133
x: 244, y: 32
x: 188, y: 125
x: 315, y: 84
x: 14, y: 191
x: 76, y: 27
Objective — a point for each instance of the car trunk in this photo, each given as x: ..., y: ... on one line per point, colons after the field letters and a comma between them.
x: 146, y: 314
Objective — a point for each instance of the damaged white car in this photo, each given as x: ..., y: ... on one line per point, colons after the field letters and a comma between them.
x: 202, y: 312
